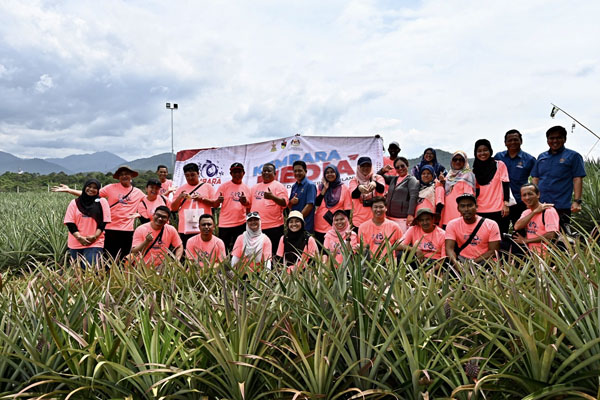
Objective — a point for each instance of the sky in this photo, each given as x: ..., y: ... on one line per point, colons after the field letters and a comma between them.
x: 85, y: 76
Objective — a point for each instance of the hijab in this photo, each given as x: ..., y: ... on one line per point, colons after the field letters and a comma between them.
x: 458, y: 175
x: 294, y: 243
x: 362, y: 178
x: 437, y: 167
x: 90, y: 205
x: 484, y: 170
x: 427, y: 190
x: 253, y: 241
x: 334, y: 231
x: 334, y: 192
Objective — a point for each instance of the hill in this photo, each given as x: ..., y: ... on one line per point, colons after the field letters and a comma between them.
x: 101, y: 161
x: 148, y: 163
x: 10, y: 163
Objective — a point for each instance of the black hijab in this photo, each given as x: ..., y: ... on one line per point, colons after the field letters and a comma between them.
x: 484, y: 170
x: 293, y: 244
x: 90, y: 205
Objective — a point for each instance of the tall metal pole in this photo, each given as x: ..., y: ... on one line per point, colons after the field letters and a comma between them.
x: 172, y: 147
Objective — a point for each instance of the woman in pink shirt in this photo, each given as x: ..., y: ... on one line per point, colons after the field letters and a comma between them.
x: 459, y: 180
x: 86, y: 217
x: 252, y: 247
x: 341, y: 229
x: 363, y: 188
x: 333, y: 195
x: 296, y: 246
x: 493, y: 188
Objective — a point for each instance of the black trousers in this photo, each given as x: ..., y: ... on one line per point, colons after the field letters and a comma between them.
x: 516, y: 211
x: 229, y: 235
x: 274, y: 234
x: 503, y: 223
x: 117, y: 243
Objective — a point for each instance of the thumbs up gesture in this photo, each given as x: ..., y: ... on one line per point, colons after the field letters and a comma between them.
x: 294, y: 200
x: 220, y: 199
x: 243, y: 199
x: 269, y: 195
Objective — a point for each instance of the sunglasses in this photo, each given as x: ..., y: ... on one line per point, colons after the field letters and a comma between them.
x: 458, y: 159
x: 253, y: 214
x: 400, y: 166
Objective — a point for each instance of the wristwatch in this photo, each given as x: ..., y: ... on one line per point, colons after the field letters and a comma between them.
x: 578, y: 201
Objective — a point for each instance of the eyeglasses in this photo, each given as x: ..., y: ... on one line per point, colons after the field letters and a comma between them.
x: 159, y: 216
x: 458, y: 160
x: 400, y: 166
x: 253, y: 214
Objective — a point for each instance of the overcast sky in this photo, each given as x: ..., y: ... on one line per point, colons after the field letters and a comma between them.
x: 83, y: 76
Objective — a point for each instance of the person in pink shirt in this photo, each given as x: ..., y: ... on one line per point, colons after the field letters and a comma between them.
x: 234, y: 197
x: 151, y: 241
x: 252, y: 249
x: 153, y: 199
x: 123, y: 199
x: 424, y: 236
x: 296, y: 246
x: 388, y: 162
x: 493, y: 187
x: 166, y: 185
x: 378, y: 231
x: 205, y: 248
x: 540, y: 219
x: 471, y: 236
x: 85, y: 219
x: 332, y: 196
x: 363, y: 188
x: 269, y: 198
x: 341, y: 229
x: 459, y: 180
x: 191, y: 200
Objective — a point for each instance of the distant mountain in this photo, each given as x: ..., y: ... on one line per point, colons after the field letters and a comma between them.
x: 10, y: 163
x: 149, y: 163
x: 102, y: 161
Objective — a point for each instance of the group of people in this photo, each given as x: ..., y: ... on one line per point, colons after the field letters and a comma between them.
x: 437, y: 213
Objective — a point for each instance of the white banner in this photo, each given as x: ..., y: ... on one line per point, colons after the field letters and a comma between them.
x: 316, y: 151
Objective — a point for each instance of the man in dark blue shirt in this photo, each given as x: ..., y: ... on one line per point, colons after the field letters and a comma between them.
x: 559, y: 173
x: 519, y: 165
x: 303, y: 195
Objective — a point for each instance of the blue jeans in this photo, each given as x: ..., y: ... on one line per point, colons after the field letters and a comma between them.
x: 90, y: 254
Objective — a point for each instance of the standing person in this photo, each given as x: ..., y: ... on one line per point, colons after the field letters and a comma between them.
x: 388, y: 162
x: 459, y: 180
x: 341, y: 229
x: 559, y: 174
x: 296, y: 246
x: 540, y: 219
x: 363, y: 188
x: 166, y: 185
x: 471, y: 236
x: 191, y: 200
x: 402, y: 195
x: 234, y: 198
x: 205, y: 247
x: 302, y: 196
x: 123, y: 199
x: 519, y: 165
x: 151, y: 241
x: 269, y: 198
x: 428, y: 238
x: 333, y: 196
x: 429, y: 158
x: 253, y: 246
x: 153, y: 199
x: 493, y: 187
x: 86, y: 218
x: 376, y: 231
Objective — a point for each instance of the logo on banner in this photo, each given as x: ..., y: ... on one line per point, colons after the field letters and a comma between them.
x: 211, y: 172
x: 295, y: 142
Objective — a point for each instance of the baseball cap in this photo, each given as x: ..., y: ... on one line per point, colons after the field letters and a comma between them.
x: 236, y: 165
x: 364, y: 160
x: 393, y: 144
x: 466, y: 196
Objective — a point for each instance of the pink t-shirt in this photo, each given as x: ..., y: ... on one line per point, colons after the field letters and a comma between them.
x: 332, y: 243
x: 345, y: 203
x: 537, y: 228
x: 491, y: 196
x: 157, y: 253
x: 459, y: 231
x: 198, y: 249
x: 309, y: 250
x: 206, y: 191
x: 146, y: 207
x: 361, y: 213
x: 390, y: 162
x: 233, y: 213
x: 238, y: 250
x: 450, y: 210
x: 125, y: 202
x: 85, y: 225
x: 432, y: 244
x: 375, y: 236
x: 271, y: 214
x: 166, y: 185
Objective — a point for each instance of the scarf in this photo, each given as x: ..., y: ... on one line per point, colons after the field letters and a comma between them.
x: 484, y: 170
x: 363, y: 179
x: 253, y: 242
x: 437, y: 167
x: 90, y: 205
x: 427, y: 190
x: 334, y: 231
x: 458, y: 175
x: 334, y: 192
x: 293, y: 245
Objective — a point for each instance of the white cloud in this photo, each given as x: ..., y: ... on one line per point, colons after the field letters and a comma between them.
x: 44, y: 83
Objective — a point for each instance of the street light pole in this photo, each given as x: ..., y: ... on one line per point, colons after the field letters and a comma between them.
x: 173, y: 106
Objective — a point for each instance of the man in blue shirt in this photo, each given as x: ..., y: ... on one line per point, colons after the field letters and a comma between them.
x: 559, y: 174
x: 302, y: 196
x: 519, y: 165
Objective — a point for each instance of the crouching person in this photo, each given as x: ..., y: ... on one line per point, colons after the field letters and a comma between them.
x: 205, y: 247
x: 425, y: 237
x: 471, y: 237
x: 152, y: 240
